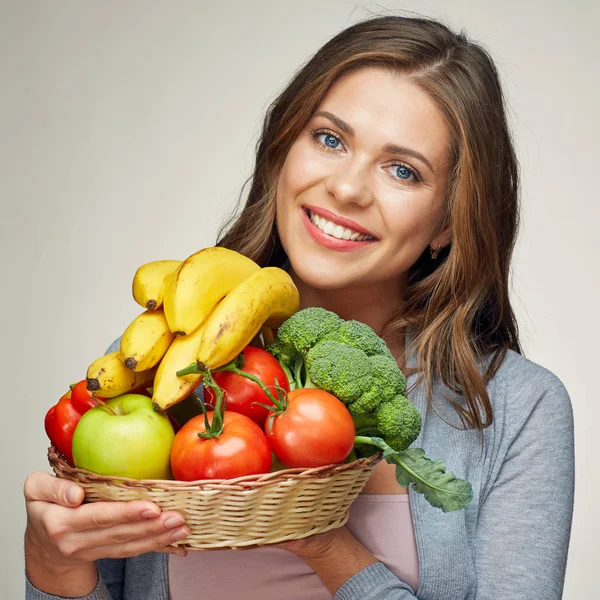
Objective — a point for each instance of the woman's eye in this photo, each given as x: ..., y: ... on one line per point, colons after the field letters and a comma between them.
x: 404, y: 173
x: 327, y: 139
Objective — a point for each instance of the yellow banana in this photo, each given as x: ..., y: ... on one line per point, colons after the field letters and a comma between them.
x: 168, y: 388
x: 149, y: 282
x: 146, y: 340
x: 266, y: 298
x: 199, y: 283
x: 109, y: 377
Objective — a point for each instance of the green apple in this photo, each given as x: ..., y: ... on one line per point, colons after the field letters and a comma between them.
x: 124, y: 437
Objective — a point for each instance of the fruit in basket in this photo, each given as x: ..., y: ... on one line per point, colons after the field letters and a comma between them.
x: 243, y: 394
x: 146, y: 340
x: 240, y: 449
x: 267, y: 297
x: 124, y: 437
x: 149, y: 282
x: 109, y: 376
x: 62, y: 418
x: 312, y: 428
x: 168, y: 387
x: 201, y: 281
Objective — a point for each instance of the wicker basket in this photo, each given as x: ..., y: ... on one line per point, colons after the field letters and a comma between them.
x: 239, y: 513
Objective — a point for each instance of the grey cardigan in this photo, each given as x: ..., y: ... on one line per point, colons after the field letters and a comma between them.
x: 510, y: 542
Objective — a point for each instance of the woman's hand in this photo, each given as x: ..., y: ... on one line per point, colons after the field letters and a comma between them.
x: 335, y: 556
x: 64, y: 537
x: 315, y: 546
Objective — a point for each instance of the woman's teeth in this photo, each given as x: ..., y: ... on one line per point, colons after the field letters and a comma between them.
x: 337, y: 231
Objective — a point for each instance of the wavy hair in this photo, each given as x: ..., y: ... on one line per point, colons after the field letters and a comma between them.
x: 457, y: 304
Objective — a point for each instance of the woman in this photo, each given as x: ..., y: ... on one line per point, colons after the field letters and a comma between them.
x: 386, y: 183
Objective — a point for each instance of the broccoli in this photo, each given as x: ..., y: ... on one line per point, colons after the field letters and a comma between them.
x: 306, y: 328
x: 342, y: 370
x: 393, y: 382
x: 397, y: 421
x: 361, y: 336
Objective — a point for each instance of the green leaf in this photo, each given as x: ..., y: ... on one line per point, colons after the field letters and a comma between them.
x: 428, y: 477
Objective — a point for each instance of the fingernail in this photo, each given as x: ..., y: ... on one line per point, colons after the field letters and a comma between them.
x: 73, y: 495
x: 174, y: 521
x: 149, y: 513
x: 180, y: 534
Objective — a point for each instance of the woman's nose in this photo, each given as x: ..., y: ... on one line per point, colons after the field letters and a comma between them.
x: 349, y: 184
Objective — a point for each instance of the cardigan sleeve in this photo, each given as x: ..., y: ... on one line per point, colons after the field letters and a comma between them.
x: 100, y: 592
x: 525, y: 519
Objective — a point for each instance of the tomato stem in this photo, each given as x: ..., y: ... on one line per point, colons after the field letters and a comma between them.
x: 231, y: 368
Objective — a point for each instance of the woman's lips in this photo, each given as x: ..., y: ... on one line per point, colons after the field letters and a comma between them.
x: 329, y: 241
x: 337, y: 219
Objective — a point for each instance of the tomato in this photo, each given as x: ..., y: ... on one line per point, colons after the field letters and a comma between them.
x: 315, y: 430
x: 241, y: 393
x: 62, y: 418
x: 241, y: 449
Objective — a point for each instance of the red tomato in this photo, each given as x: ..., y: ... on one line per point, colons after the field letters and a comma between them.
x: 315, y: 430
x: 240, y: 393
x: 241, y: 449
x: 62, y: 418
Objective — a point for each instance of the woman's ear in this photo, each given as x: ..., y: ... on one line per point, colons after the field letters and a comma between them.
x: 442, y: 239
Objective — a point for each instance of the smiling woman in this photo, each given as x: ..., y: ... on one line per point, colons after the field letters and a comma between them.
x: 386, y: 183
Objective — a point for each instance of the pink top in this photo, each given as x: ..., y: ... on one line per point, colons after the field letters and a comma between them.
x: 381, y: 522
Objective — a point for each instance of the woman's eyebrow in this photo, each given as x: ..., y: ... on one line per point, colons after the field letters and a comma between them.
x: 388, y: 148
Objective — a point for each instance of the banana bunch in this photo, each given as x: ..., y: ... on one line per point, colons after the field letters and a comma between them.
x: 206, y: 308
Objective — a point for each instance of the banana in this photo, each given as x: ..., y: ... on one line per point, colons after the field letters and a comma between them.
x: 199, y: 283
x: 109, y: 377
x: 168, y: 388
x: 266, y: 298
x: 149, y: 282
x: 146, y: 340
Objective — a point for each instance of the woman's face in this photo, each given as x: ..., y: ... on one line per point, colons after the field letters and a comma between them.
x: 361, y: 193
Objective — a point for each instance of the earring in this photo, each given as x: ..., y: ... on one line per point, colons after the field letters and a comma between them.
x: 434, y: 253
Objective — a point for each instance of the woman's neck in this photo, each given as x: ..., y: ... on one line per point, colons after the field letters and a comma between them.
x: 373, y: 305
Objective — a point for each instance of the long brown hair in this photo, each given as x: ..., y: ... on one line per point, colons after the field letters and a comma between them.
x: 458, y: 303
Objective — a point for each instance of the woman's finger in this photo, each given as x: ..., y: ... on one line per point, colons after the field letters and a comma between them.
x: 123, y: 533
x: 157, y: 543
x: 101, y: 515
x: 44, y: 487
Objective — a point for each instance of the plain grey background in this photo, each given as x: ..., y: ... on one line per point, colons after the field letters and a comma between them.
x: 128, y: 128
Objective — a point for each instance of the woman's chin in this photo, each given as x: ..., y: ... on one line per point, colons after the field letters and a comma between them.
x: 324, y: 276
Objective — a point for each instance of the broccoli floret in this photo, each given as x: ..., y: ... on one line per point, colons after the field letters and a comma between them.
x: 307, y: 327
x: 391, y: 378
x: 342, y: 370
x: 282, y: 352
x: 367, y: 402
x: 361, y: 336
x: 398, y: 422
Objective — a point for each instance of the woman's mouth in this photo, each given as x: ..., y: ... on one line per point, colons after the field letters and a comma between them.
x: 334, y: 235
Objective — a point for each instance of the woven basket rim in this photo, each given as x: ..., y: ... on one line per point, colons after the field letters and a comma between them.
x: 60, y: 465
